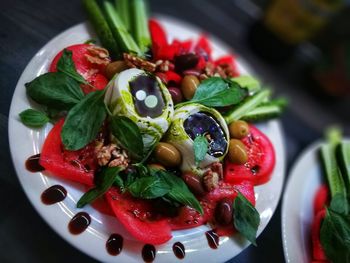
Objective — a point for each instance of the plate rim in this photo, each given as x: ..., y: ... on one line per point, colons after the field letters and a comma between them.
x: 12, y: 119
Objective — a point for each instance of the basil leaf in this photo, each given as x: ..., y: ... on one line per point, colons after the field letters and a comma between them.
x: 149, y: 187
x: 200, y: 147
x: 335, y: 236
x: 216, y: 92
x: 179, y: 191
x: 84, y: 121
x: 33, y: 118
x: 247, y: 82
x: 55, y: 90
x: 128, y: 135
x: 246, y: 218
x: 107, y: 177
x: 66, y: 65
x: 339, y: 204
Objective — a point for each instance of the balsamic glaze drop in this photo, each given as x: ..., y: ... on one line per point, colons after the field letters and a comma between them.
x: 148, y: 253
x: 179, y: 250
x: 114, y: 244
x: 79, y: 223
x: 32, y: 164
x: 53, y: 194
x: 213, y: 239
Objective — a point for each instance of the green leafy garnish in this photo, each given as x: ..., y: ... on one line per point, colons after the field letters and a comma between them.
x: 179, y: 191
x: 217, y: 92
x: 246, y: 218
x: 66, y: 65
x: 34, y: 118
x: 55, y: 90
x: 335, y: 236
x: 247, y: 82
x: 149, y: 187
x: 128, y: 135
x: 84, y: 121
x: 106, y: 178
x: 200, y: 147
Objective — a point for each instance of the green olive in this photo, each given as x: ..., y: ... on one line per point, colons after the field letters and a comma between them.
x: 156, y: 166
x: 237, y: 152
x: 239, y: 129
x: 167, y: 155
x: 189, y: 86
x: 115, y: 67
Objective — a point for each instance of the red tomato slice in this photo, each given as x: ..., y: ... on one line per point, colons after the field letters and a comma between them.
x: 261, y: 160
x: 138, y: 218
x: 92, y: 73
x: 77, y: 166
x: 317, y: 249
x: 321, y: 198
x: 189, y: 218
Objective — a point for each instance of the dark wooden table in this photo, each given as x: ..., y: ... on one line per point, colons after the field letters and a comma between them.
x: 26, y: 25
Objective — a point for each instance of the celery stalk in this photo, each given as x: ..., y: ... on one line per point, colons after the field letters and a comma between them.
x: 120, y: 33
x: 266, y: 111
x: 246, y: 106
x: 123, y: 9
x: 139, y: 24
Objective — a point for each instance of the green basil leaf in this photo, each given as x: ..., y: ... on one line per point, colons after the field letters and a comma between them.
x: 128, y: 135
x: 216, y: 92
x: 33, y: 118
x: 84, y: 121
x: 179, y: 191
x: 335, y: 236
x: 119, y: 182
x: 200, y: 147
x: 66, y: 65
x: 247, y: 82
x: 107, y: 177
x: 55, y: 90
x: 339, y: 204
x: 246, y: 218
x: 149, y: 187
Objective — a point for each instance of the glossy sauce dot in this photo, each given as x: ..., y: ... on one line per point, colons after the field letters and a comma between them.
x: 179, y: 250
x: 53, y: 194
x: 114, y: 244
x: 148, y: 253
x: 32, y: 164
x: 79, y: 223
x: 213, y: 239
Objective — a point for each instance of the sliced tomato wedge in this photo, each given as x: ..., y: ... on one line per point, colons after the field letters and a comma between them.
x: 138, y: 218
x: 92, y: 72
x: 77, y: 166
x: 260, y: 164
x: 317, y: 249
x: 321, y: 199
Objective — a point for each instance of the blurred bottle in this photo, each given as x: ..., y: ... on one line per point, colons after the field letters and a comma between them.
x: 287, y: 23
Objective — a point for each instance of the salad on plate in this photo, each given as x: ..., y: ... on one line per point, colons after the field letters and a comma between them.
x: 160, y: 133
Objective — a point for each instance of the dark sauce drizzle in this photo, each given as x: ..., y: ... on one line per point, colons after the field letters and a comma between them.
x: 179, y: 250
x: 148, y: 253
x: 53, y: 194
x: 32, y: 164
x: 79, y: 223
x: 213, y: 239
x: 114, y: 244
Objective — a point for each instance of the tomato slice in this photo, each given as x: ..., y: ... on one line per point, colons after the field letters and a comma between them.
x: 321, y: 198
x: 92, y: 72
x: 317, y: 249
x: 189, y: 218
x: 77, y: 166
x: 261, y: 160
x: 138, y: 217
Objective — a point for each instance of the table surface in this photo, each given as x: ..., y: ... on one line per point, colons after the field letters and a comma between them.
x: 26, y: 26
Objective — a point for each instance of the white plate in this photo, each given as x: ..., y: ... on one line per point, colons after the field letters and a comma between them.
x: 297, y: 208
x: 25, y: 142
